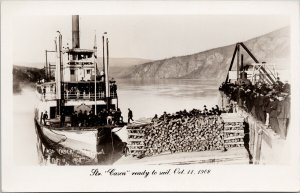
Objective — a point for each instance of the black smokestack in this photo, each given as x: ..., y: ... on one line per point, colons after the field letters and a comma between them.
x: 75, y: 31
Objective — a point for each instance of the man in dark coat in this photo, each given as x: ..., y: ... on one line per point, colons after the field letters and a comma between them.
x: 45, y: 116
x: 101, y: 117
x: 278, y: 85
x: 130, y: 115
x: 283, y: 112
x: 118, y: 116
x: 80, y: 118
x: 234, y: 95
x: 91, y: 120
x: 262, y: 111
x: 273, y: 114
x: 74, y: 119
x: 257, y: 105
x: 249, y: 100
x: 286, y: 87
x: 105, y: 114
x: 241, y: 98
x: 205, y: 110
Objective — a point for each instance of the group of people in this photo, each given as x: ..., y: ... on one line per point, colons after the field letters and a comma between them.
x: 88, y: 118
x: 185, y: 131
x: 104, y: 117
x: 268, y: 103
x: 193, y: 113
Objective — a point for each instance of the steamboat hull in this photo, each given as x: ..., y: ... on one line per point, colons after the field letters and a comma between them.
x: 77, y: 146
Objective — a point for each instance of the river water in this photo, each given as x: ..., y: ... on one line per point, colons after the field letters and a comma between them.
x: 147, y: 98
x: 144, y: 98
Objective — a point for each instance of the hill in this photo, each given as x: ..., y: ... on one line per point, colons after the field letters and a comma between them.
x: 23, y: 76
x: 213, y: 64
x: 118, y: 65
x: 29, y: 73
x: 273, y: 48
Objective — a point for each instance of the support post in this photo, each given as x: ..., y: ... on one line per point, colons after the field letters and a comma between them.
x: 106, y: 75
x: 238, y: 62
x: 103, y: 56
x: 242, y: 63
x: 59, y: 81
x: 46, y: 65
x: 95, y: 69
x: 231, y: 63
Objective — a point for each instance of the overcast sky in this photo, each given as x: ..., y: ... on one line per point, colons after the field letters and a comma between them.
x: 140, y: 36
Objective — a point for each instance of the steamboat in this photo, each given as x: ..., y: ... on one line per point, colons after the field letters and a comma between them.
x: 78, y: 111
x: 77, y: 105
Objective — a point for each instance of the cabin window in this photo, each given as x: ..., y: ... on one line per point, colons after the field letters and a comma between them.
x: 72, y: 72
x: 88, y: 71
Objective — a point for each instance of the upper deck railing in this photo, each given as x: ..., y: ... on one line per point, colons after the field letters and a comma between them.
x: 81, y: 62
x: 77, y: 91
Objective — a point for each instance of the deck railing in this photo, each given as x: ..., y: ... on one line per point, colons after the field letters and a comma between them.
x: 76, y: 96
x: 47, y: 91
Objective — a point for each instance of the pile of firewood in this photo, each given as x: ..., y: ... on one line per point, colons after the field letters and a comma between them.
x: 186, y: 134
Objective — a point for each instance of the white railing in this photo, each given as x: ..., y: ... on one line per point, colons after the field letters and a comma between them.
x: 76, y: 96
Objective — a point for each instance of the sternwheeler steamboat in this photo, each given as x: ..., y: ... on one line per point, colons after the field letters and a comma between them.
x: 77, y: 106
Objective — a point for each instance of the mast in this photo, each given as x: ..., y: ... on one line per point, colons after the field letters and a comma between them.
x: 103, y: 52
x: 95, y: 69
x: 46, y: 66
x: 58, y: 73
x: 106, y: 75
x: 238, y: 62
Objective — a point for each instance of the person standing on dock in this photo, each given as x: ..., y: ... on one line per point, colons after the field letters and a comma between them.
x: 205, y: 111
x: 45, y: 116
x: 165, y: 116
x: 130, y: 115
x: 283, y: 114
x: 273, y: 114
x: 155, y: 118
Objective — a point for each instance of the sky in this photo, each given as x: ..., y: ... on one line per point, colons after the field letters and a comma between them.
x: 139, y: 36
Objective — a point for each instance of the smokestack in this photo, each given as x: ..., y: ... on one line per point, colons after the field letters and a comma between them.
x: 75, y: 31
